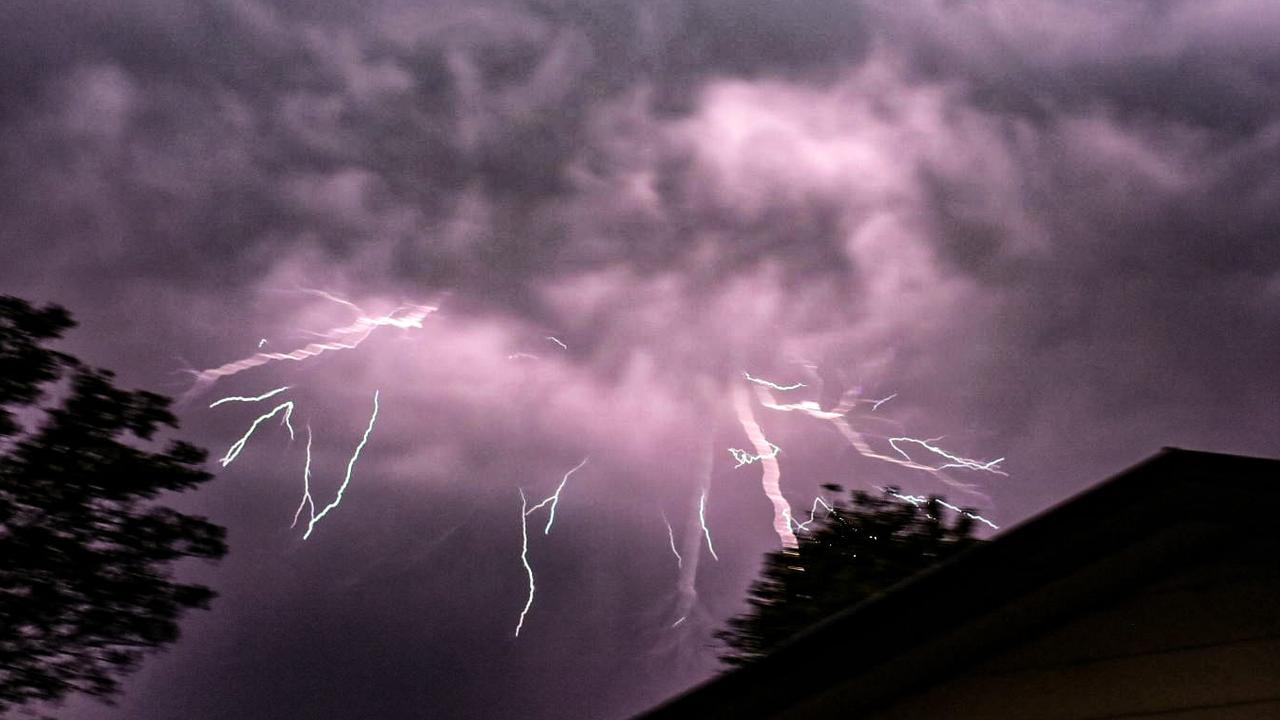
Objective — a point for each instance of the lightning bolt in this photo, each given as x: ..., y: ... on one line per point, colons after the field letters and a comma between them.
x: 347, y: 337
x: 695, y: 528
x: 671, y: 536
x: 524, y: 558
x: 364, y: 440
x: 306, y: 485
x: 262, y: 342
x: 773, y: 386
x: 554, y: 498
x: 702, y: 517
x: 557, y: 341
x: 955, y: 460
x: 855, y: 439
x: 237, y: 446
x: 918, y: 500
x: 875, y: 404
x: 331, y: 298
x: 812, y: 512
x: 745, y: 458
x: 259, y: 398
x: 772, y: 474
x: 969, y: 515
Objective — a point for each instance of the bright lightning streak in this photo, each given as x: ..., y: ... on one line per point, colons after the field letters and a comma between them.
x: 812, y: 513
x: 347, y: 337
x: 774, y: 386
x: 237, y: 398
x: 855, y: 439
x: 702, y: 517
x: 745, y: 458
x: 557, y: 341
x: 807, y: 407
x: 315, y: 518
x: 956, y: 461
x: 306, y: 484
x: 772, y: 474
x: 234, y: 450
x: 262, y: 342
x: 918, y: 500
x: 969, y: 515
x: 694, y: 531
x: 554, y: 498
x: 525, y: 512
x: 524, y: 558
x: 671, y: 536
x: 332, y: 298
x: 875, y: 404
x: 677, y: 622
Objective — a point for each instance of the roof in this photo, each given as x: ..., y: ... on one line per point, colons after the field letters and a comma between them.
x: 1123, y: 531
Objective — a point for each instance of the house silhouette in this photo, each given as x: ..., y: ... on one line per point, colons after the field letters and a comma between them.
x: 1155, y: 594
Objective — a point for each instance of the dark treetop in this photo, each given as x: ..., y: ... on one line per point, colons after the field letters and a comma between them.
x: 849, y: 553
x: 86, y: 554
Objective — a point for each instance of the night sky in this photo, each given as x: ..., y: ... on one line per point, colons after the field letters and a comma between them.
x: 1051, y: 228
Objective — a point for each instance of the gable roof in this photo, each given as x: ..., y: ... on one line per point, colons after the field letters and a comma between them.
x: 1124, y: 531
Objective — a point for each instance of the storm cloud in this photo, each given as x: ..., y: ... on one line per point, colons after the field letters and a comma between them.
x: 1049, y: 228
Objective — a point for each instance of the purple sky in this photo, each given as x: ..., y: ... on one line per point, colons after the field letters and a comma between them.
x: 1049, y: 227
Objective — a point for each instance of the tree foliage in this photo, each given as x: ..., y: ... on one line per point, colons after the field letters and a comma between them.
x: 86, y: 552
x: 847, y: 554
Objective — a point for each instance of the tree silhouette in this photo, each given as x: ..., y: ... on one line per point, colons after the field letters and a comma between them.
x: 85, y: 553
x: 849, y: 553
